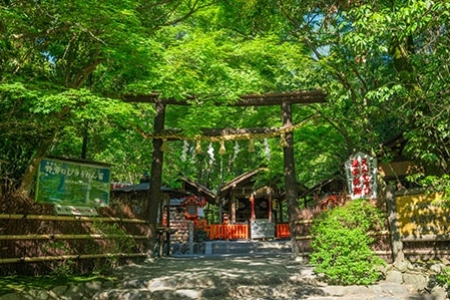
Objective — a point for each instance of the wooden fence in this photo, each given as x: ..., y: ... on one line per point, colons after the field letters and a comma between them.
x: 282, y: 231
x: 228, y: 231
x: 47, y: 243
x: 426, y: 247
x: 241, y: 231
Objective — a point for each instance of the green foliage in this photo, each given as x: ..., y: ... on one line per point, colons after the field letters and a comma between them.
x: 341, y: 244
x: 383, y: 64
x: 120, y: 242
x: 17, y: 284
x: 62, y: 268
x: 433, y: 184
x: 444, y: 277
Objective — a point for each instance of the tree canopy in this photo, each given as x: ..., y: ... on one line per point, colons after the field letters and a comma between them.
x: 66, y: 67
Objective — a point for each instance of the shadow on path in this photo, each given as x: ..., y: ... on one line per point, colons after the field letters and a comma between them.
x: 232, y: 277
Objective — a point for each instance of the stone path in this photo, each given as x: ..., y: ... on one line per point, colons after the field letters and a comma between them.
x: 255, y: 277
x: 223, y: 277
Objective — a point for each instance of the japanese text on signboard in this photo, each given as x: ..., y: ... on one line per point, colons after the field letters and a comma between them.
x: 72, y: 183
x: 361, y: 176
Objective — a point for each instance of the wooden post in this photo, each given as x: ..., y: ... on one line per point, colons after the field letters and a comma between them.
x: 269, y: 207
x: 252, y: 208
x: 167, y: 200
x: 155, y: 194
x: 290, y: 181
x: 233, y: 209
x: 280, y: 211
x: 396, y: 241
x: 191, y: 237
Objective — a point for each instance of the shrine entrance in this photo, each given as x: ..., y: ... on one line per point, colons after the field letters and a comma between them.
x: 286, y: 133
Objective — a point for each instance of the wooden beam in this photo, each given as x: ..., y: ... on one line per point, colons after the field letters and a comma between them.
x: 305, y: 97
x: 222, y: 131
x: 228, y: 133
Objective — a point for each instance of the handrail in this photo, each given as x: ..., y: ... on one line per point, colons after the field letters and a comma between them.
x: 64, y: 257
x: 69, y: 237
x: 69, y: 218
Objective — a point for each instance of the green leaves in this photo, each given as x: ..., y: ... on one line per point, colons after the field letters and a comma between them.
x: 341, y: 244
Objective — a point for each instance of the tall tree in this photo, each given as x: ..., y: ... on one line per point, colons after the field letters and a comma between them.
x: 51, y: 51
x: 374, y: 58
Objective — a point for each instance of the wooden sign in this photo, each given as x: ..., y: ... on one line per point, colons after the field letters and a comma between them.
x: 361, y: 172
x: 420, y: 215
x: 73, y: 183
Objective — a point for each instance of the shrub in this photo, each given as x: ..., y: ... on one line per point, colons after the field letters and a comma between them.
x: 341, y: 244
x: 443, y: 278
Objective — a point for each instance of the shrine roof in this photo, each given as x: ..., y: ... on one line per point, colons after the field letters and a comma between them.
x: 197, y: 188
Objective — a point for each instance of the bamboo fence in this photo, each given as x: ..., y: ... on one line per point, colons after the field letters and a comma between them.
x: 49, y: 238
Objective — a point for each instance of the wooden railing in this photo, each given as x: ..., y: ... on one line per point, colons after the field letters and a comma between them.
x: 283, y: 231
x: 32, y: 239
x: 228, y: 231
x: 241, y: 231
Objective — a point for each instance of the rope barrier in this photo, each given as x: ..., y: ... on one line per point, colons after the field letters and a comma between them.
x: 229, y: 137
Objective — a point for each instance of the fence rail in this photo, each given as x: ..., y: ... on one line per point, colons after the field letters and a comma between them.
x: 241, y: 231
x: 70, y: 218
x: 29, y: 239
x: 282, y: 230
x: 69, y: 237
x: 68, y: 257
x: 228, y: 231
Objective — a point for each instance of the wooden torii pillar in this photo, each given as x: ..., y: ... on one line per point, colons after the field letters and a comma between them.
x: 155, y: 196
x: 290, y: 181
x: 284, y: 99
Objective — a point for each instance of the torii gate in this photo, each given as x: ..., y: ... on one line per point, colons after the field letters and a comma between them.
x: 286, y: 100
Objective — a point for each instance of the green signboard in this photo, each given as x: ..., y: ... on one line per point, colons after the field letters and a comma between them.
x: 68, y: 182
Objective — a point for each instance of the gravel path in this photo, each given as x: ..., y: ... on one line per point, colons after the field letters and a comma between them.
x: 247, y: 277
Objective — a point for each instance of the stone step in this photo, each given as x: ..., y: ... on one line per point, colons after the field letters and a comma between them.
x: 246, y: 247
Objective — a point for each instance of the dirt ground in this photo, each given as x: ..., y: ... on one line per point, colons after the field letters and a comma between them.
x: 233, y: 277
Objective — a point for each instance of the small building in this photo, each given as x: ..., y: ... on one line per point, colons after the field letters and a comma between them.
x: 135, y: 197
x: 178, y: 207
x: 324, y: 195
x: 242, y: 202
x: 198, y: 205
x: 399, y: 166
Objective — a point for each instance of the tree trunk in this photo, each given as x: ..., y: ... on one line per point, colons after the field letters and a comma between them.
x: 84, y: 146
x: 30, y: 172
x: 28, y: 176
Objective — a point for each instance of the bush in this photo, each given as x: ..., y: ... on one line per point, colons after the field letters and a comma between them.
x: 443, y: 278
x: 341, y: 244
